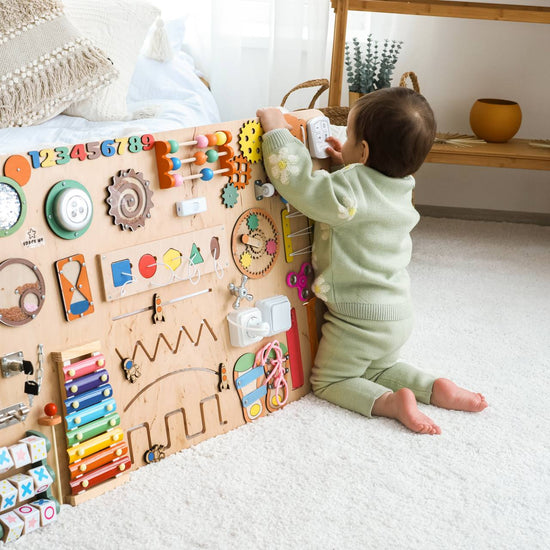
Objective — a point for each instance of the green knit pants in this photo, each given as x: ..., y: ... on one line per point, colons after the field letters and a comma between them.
x: 357, y: 362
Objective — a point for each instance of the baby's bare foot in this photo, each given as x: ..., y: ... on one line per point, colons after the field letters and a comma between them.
x: 447, y: 395
x: 402, y: 406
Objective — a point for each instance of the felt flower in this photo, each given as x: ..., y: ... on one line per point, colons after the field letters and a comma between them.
x: 283, y: 165
x: 347, y: 209
x: 320, y: 287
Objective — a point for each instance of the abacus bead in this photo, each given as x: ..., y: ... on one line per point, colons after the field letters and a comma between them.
x: 221, y: 138
x: 212, y: 139
x: 200, y: 158
x: 212, y: 155
x: 207, y: 174
x: 202, y: 141
x: 174, y: 146
x: 176, y: 163
x: 178, y: 179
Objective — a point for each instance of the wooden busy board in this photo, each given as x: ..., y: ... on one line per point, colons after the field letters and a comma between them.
x: 113, y: 261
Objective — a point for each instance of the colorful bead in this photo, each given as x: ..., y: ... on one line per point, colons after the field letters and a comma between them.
x: 202, y: 141
x: 212, y: 139
x: 212, y: 155
x: 178, y: 180
x: 174, y: 145
x: 176, y: 163
x: 206, y: 174
x: 221, y: 138
x: 200, y: 158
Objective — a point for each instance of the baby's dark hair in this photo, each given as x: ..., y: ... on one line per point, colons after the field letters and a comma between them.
x: 399, y: 126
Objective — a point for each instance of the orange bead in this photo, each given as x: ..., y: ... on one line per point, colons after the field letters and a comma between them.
x: 200, y: 158
x: 212, y: 139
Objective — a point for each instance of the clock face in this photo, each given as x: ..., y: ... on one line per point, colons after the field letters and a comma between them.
x: 12, y: 207
x: 255, y: 243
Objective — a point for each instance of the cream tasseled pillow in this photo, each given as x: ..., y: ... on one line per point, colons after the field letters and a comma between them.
x: 45, y: 63
x: 119, y: 27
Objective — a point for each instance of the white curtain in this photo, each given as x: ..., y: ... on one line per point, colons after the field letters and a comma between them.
x: 254, y: 51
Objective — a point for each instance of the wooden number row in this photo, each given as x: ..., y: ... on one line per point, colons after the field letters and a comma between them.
x: 90, y: 151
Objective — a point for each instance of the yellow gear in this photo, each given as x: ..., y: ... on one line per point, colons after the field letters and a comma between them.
x: 250, y: 140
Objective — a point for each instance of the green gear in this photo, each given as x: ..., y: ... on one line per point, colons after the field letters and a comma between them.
x: 230, y: 195
x: 252, y: 222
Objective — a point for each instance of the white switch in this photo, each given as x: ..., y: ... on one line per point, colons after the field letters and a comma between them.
x: 191, y: 206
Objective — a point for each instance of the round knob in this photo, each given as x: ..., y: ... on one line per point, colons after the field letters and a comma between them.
x: 50, y: 409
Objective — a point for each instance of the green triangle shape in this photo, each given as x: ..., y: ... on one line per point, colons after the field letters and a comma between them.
x: 195, y: 256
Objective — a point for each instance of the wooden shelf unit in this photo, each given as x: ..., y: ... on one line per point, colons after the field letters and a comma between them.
x: 514, y: 154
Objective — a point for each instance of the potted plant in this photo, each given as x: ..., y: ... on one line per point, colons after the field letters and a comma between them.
x: 368, y: 67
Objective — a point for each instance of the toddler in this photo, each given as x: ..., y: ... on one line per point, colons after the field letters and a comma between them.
x: 363, y: 215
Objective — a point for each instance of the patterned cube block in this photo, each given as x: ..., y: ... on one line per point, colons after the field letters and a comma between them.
x: 30, y: 516
x: 42, y: 477
x: 6, y: 461
x: 48, y: 512
x: 20, y: 454
x: 24, y: 485
x: 36, y: 446
x: 8, y: 495
x: 13, y: 526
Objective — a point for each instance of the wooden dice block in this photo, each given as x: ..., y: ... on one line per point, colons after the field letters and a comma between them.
x: 8, y: 495
x: 36, y: 446
x: 42, y: 477
x: 12, y: 526
x: 6, y: 461
x: 20, y: 454
x: 48, y: 512
x: 30, y: 516
x: 24, y: 485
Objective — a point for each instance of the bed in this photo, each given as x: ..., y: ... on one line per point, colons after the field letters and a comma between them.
x: 160, y: 94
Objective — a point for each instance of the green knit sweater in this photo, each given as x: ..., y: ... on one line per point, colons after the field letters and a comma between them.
x: 361, y: 243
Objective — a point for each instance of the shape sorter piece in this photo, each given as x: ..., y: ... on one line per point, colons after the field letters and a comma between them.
x: 20, y: 454
x: 42, y: 477
x: 6, y: 461
x: 8, y: 495
x: 30, y: 516
x: 48, y: 510
x: 12, y: 526
x: 37, y: 447
x: 24, y: 485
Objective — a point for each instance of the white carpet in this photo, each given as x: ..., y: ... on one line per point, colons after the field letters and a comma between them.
x: 316, y: 476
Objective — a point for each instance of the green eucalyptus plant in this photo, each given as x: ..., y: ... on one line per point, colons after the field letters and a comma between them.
x: 368, y: 67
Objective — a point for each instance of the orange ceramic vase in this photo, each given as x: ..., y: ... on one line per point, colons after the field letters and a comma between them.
x: 495, y: 120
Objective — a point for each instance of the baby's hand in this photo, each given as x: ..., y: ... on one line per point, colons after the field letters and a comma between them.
x: 334, y: 150
x: 272, y: 118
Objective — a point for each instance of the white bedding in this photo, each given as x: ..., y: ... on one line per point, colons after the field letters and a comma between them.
x: 168, y: 95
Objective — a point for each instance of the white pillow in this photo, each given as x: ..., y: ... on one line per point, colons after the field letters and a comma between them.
x: 120, y: 28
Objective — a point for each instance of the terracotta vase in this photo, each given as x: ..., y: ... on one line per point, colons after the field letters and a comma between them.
x: 495, y: 120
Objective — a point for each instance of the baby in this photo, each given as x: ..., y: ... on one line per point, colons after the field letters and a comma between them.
x: 361, y: 250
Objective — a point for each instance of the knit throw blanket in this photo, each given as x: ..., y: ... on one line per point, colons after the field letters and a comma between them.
x: 45, y: 64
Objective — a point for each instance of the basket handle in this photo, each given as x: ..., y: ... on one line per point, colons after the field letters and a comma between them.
x: 414, y: 81
x: 322, y: 82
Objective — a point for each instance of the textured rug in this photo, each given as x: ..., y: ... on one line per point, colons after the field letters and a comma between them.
x: 317, y: 476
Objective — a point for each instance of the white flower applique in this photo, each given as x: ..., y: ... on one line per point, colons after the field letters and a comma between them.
x: 347, y: 209
x: 320, y: 287
x: 284, y: 165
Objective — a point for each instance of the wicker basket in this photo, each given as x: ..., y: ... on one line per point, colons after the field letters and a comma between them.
x: 338, y: 116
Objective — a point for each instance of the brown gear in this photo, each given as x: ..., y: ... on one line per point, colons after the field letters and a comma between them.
x: 130, y: 199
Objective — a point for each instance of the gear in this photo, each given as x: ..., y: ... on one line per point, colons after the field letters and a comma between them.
x: 242, y: 175
x: 250, y: 140
x: 230, y: 195
x: 255, y: 243
x: 129, y: 199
